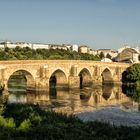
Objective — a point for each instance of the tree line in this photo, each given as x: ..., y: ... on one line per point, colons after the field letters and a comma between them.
x: 132, y: 74
x: 131, y: 80
x: 27, y: 53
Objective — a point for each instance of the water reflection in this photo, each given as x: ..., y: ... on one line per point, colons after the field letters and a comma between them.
x: 17, y: 98
x: 73, y: 101
x: 132, y: 91
x: 85, y: 94
x: 107, y: 91
x: 17, y: 82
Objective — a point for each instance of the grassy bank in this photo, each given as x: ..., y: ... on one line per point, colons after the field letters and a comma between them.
x: 26, y: 122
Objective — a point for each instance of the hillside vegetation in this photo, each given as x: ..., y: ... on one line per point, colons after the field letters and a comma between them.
x: 43, y: 54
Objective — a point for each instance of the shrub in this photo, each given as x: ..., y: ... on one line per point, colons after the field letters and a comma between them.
x: 26, y: 124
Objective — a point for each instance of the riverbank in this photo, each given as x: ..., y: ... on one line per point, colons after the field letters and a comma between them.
x: 112, y: 115
x: 22, y: 121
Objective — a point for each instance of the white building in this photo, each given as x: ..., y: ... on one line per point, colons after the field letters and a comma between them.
x: 104, y: 51
x: 113, y: 54
x: 127, y: 46
x: 14, y: 45
x: 128, y: 55
x: 74, y: 47
x: 84, y: 49
x: 55, y: 46
x: 23, y: 44
x: 106, y: 60
x: 93, y: 52
x: 40, y: 46
x: 2, y: 46
x: 68, y: 46
x: 9, y: 44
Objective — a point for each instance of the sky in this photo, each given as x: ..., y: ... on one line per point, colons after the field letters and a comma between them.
x: 99, y: 24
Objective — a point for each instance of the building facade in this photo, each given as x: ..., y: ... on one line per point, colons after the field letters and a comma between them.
x: 128, y: 54
x: 40, y: 46
x: 83, y: 49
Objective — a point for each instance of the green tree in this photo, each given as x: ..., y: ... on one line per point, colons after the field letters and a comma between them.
x: 133, y: 73
x: 108, y: 56
x: 25, y: 125
x: 6, y: 49
x: 139, y: 57
x: 27, y: 53
x: 101, y: 55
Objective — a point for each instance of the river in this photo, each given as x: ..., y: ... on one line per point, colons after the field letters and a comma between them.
x: 106, y: 98
x: 71, y: 101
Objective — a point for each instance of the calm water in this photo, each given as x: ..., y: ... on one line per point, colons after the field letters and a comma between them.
x: 71, y: 101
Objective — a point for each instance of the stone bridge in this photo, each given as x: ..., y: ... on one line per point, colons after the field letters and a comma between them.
x: 65, y: 73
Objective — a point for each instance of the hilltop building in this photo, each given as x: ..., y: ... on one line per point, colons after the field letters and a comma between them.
x: 2, y: 46
x: 74, y: 47
x: 57, y: 46
x: 124, y: 54
x: 14, y: 45
x: 93, y: 52
x: 40, y: 46
x: 128, y: 54
x: 107, y: 53
x: 83, y: 49
x: 106, y: 60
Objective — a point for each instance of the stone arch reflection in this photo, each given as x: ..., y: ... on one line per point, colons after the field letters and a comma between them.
x: 85, y: 78
x: 107, y: 91
x: 21, y: 80
x: 85, y: 94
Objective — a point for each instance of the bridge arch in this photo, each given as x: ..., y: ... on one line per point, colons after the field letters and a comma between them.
x: 58, y: 79
x: 85, y: 78
x: 107, y: 76
x: 24, y: 75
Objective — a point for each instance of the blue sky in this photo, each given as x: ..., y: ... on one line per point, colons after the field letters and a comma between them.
x: 96, y: 23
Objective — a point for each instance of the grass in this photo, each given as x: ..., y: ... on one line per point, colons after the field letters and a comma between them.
x: 28, y: 122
